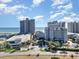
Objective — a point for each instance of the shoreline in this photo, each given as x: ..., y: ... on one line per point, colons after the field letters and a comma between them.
x: 6, y: 33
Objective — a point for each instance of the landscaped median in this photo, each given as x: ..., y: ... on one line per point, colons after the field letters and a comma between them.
x: 14, y: 50
x: 8, y: 50
x: 66, y: 49
x: 40, y: 49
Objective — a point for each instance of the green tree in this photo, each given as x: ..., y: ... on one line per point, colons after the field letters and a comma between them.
x: 7, y: 45
x: 53, y: 44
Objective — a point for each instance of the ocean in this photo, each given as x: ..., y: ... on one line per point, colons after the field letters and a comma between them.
x: 18, y: 29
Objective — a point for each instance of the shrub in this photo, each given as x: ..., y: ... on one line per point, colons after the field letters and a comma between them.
x: 12, y: 51
x: 55, y: 58
x: 42, y: 49
x: 66, y: 49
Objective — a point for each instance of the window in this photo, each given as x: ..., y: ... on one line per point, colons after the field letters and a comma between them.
x: 12, y: 42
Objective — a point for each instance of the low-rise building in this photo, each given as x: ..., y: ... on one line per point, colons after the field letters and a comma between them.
x: 15, y: 41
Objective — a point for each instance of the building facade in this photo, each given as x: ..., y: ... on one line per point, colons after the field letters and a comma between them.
x: 32, y: 26
x: 73, y: 27
x: 56, y: 31
x: 27, y: 26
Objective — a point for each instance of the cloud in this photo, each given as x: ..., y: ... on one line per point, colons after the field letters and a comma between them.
x: 2, y: 6
x: 56, y: 2
x: 36, y: 2
x: 14, y: 9
x: 55, y: 15
x: 5, y: 1
x: 68, y: 19
x: 39, y: 18
x: 21, y: 17
x: 58, y: 15
x: 59, y: 2
x: 63, y: 10
x: 65, y: 7
x: 68, y: 6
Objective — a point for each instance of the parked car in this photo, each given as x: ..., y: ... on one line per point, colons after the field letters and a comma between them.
x: 63, y: 52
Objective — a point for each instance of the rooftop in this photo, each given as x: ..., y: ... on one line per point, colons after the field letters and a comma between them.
x: 23, y: 38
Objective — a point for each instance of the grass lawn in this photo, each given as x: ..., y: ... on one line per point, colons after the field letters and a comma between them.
x: 42, y: 49
x: 8, y: 50
x: 14, y: 50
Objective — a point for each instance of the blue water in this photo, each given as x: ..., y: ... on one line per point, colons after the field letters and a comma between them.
x: 18, y: 30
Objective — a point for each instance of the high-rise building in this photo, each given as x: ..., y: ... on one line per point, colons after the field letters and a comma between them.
x: 46, y: 33
x: 32, y: 26
x: 56, y: 31
x: 70, y: 27
x: 27, y: 26
x: 73, y: 27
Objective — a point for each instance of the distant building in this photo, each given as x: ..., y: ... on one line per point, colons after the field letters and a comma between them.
x: 73, y: 27
x: 56, y: 31
x: 5, y: 36
x: 27, y: 26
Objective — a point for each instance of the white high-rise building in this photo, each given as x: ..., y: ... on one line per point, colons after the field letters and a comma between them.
x: 56, y: 31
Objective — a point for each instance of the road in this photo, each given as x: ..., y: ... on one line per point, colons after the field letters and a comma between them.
x: 35, y: 53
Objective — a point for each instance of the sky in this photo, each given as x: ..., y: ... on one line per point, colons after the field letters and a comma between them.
x: 43, y: 11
